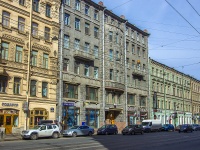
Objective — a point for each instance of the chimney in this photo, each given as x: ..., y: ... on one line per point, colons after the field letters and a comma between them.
x: 122, y: 16
x: 100, y: 3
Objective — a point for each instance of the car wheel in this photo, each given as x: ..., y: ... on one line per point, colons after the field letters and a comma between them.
x: 74, y: 134
x: 34, y: 136
x: 55, y: 135
x: 116, y: 132
x: 90, y: 133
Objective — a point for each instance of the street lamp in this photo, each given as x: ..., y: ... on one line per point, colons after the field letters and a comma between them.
x: 164, y: 93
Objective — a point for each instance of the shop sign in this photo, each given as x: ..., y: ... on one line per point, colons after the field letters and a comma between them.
x: 9, y: 104
x: 68, y: 103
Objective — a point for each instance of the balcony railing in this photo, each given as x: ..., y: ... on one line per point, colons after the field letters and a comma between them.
x: 114, y: 85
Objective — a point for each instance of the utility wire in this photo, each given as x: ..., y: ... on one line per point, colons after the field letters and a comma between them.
x: 183, y: 17
x: 121, y: 4
x: 193, y: 7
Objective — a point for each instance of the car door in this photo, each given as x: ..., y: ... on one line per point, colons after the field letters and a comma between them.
x: 85, y: 130
x: 43, y: 131
x: 49, y: 130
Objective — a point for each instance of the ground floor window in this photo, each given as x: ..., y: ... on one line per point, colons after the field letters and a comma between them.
x: 131, y: 117
x: 71, y: 116
x: 37, y: 115
x: 92, y: 117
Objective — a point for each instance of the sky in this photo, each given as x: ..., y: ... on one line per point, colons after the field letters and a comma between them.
x: 174, y: 27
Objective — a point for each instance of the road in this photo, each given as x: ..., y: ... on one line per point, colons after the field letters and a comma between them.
x: 147, y: 141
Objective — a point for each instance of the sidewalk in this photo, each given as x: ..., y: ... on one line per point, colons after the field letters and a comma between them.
x: 11, y: 137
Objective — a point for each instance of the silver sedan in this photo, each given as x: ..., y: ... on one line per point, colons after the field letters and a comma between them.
x: 78, y: 131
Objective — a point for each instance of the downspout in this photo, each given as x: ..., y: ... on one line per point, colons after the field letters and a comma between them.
x: 149, y: 89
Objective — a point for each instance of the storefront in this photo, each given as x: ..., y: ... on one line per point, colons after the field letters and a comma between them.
x: 71, y: 115
x: 92, y: 117
x: 132, y: 115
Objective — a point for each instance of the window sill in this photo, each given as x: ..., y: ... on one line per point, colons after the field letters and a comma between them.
x: 78, y: 30
x: 48, y: 41
x: 49, y: 17
x: 92, y: 102
x: 6, y: 27
x: 22, y: 32
x: 67, y: 25
x: 23, y: 5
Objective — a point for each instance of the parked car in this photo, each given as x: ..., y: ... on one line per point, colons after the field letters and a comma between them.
x: 78, y: 131
x: 196, y: 127
x: 185, y: 128
x: 108, y: 129
x: 47, y: 130
x: 151, y: 125
x: 133, y: 129
x: 168, y: 127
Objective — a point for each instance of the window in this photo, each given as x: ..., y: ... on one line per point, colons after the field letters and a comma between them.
x: 128, y: 79
x: 133, y: 49
x: 127, y: 46
x: 76, y: 44
x: 44, y: 89
x: 138, y: 37
x: 77, y: 5
x: 92, y: 117
x: 86, y: 72
x: 117, y: 38
x: 144, y: 54
x: 111, y: 55
x: 6, y: 19
x: 34, y: 58
x: 4, y: 50
x: 45, y: 61
x: 131, y: 99
x: 117, y: 75
x: 127, y: 62
x: 96, y: 72
x: 33, y: 88
x: 142, y: 39
x: 126, y: 31
x: 117, y: 56
x: 67, y: 19
x: 91, y: 93
x: 144, y: 67
x: 105, y: 18
x: 35, y: 29
x: 77, y: 24
x: 48, y: 10
x: 67, y: 2
x: 66, y: 41
x: 132, y: 34
x: 16, y: 88
x: 36, y: 5
x: 138, y: 51
x: 112, y: 21
x: 65, y: 64
x: 87, y: 47
x: 87, y: 28
x: 96, y: 51
x: 111, y: 74
x: 96, y: 17
x: 76, y: 67
x: 22, y: 2
x: 21, y: 24
x: 96, y: 32
x: 142, y: 101
x: 133, y: 64
x: 47, y: 34
x: 3, y: 83
x: 110, y: 36
x: 18, y: 54
x: 70, y: 91
x: 87, y: 10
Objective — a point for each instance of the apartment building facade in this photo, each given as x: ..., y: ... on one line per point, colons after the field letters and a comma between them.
x: 170, y: 95
x: 195, y: 96
x: 99, y: 84
x: 28, y: 72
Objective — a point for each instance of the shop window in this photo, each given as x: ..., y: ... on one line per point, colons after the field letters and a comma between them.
x: 71, y: 116
x: 92, y: 117
x: 15, y: 121
x: 37, y: 115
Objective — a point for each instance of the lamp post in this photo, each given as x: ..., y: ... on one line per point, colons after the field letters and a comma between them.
x: 164, y: 93
x: 183, y: 100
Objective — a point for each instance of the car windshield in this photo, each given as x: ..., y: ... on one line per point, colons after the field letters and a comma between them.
x: 145, y: 123
x: 130, y: 126
x: 74, y: 127
x: 104, y: 126
x: 165, y: 125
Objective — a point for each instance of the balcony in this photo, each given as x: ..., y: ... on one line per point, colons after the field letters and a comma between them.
x: 86, y: 56
x: 139, y: 72
x: 115, y: 86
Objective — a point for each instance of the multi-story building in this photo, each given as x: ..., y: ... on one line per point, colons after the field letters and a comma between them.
x: 29, y: 51
x: 170, y: 94
x: 104, y: 67
x: 195, y: 93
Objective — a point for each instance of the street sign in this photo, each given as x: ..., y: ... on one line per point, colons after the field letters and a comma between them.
x: 68, y: 103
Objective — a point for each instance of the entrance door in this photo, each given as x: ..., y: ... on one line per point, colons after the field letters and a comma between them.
x: 8, y: 123
x: 1, y: 120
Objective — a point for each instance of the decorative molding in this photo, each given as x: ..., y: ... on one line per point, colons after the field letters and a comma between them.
x: 41, y: 47
x: 12, y: 38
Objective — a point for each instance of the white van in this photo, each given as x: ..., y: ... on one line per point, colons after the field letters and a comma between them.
x: 152, y: 125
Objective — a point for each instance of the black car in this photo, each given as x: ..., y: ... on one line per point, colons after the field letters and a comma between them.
x: 185, y: 128
x: 108, y: 129
x: 196, y: 127
x: 133, y: 129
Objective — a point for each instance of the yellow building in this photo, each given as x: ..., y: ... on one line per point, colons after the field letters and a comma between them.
x: 28, y: 65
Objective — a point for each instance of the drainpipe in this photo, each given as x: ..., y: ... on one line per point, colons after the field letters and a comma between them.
x: 26, y: 104
x: 125, y: 64
x: 103, y: 49
x: 149, y: 90
x: 61, y: 63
